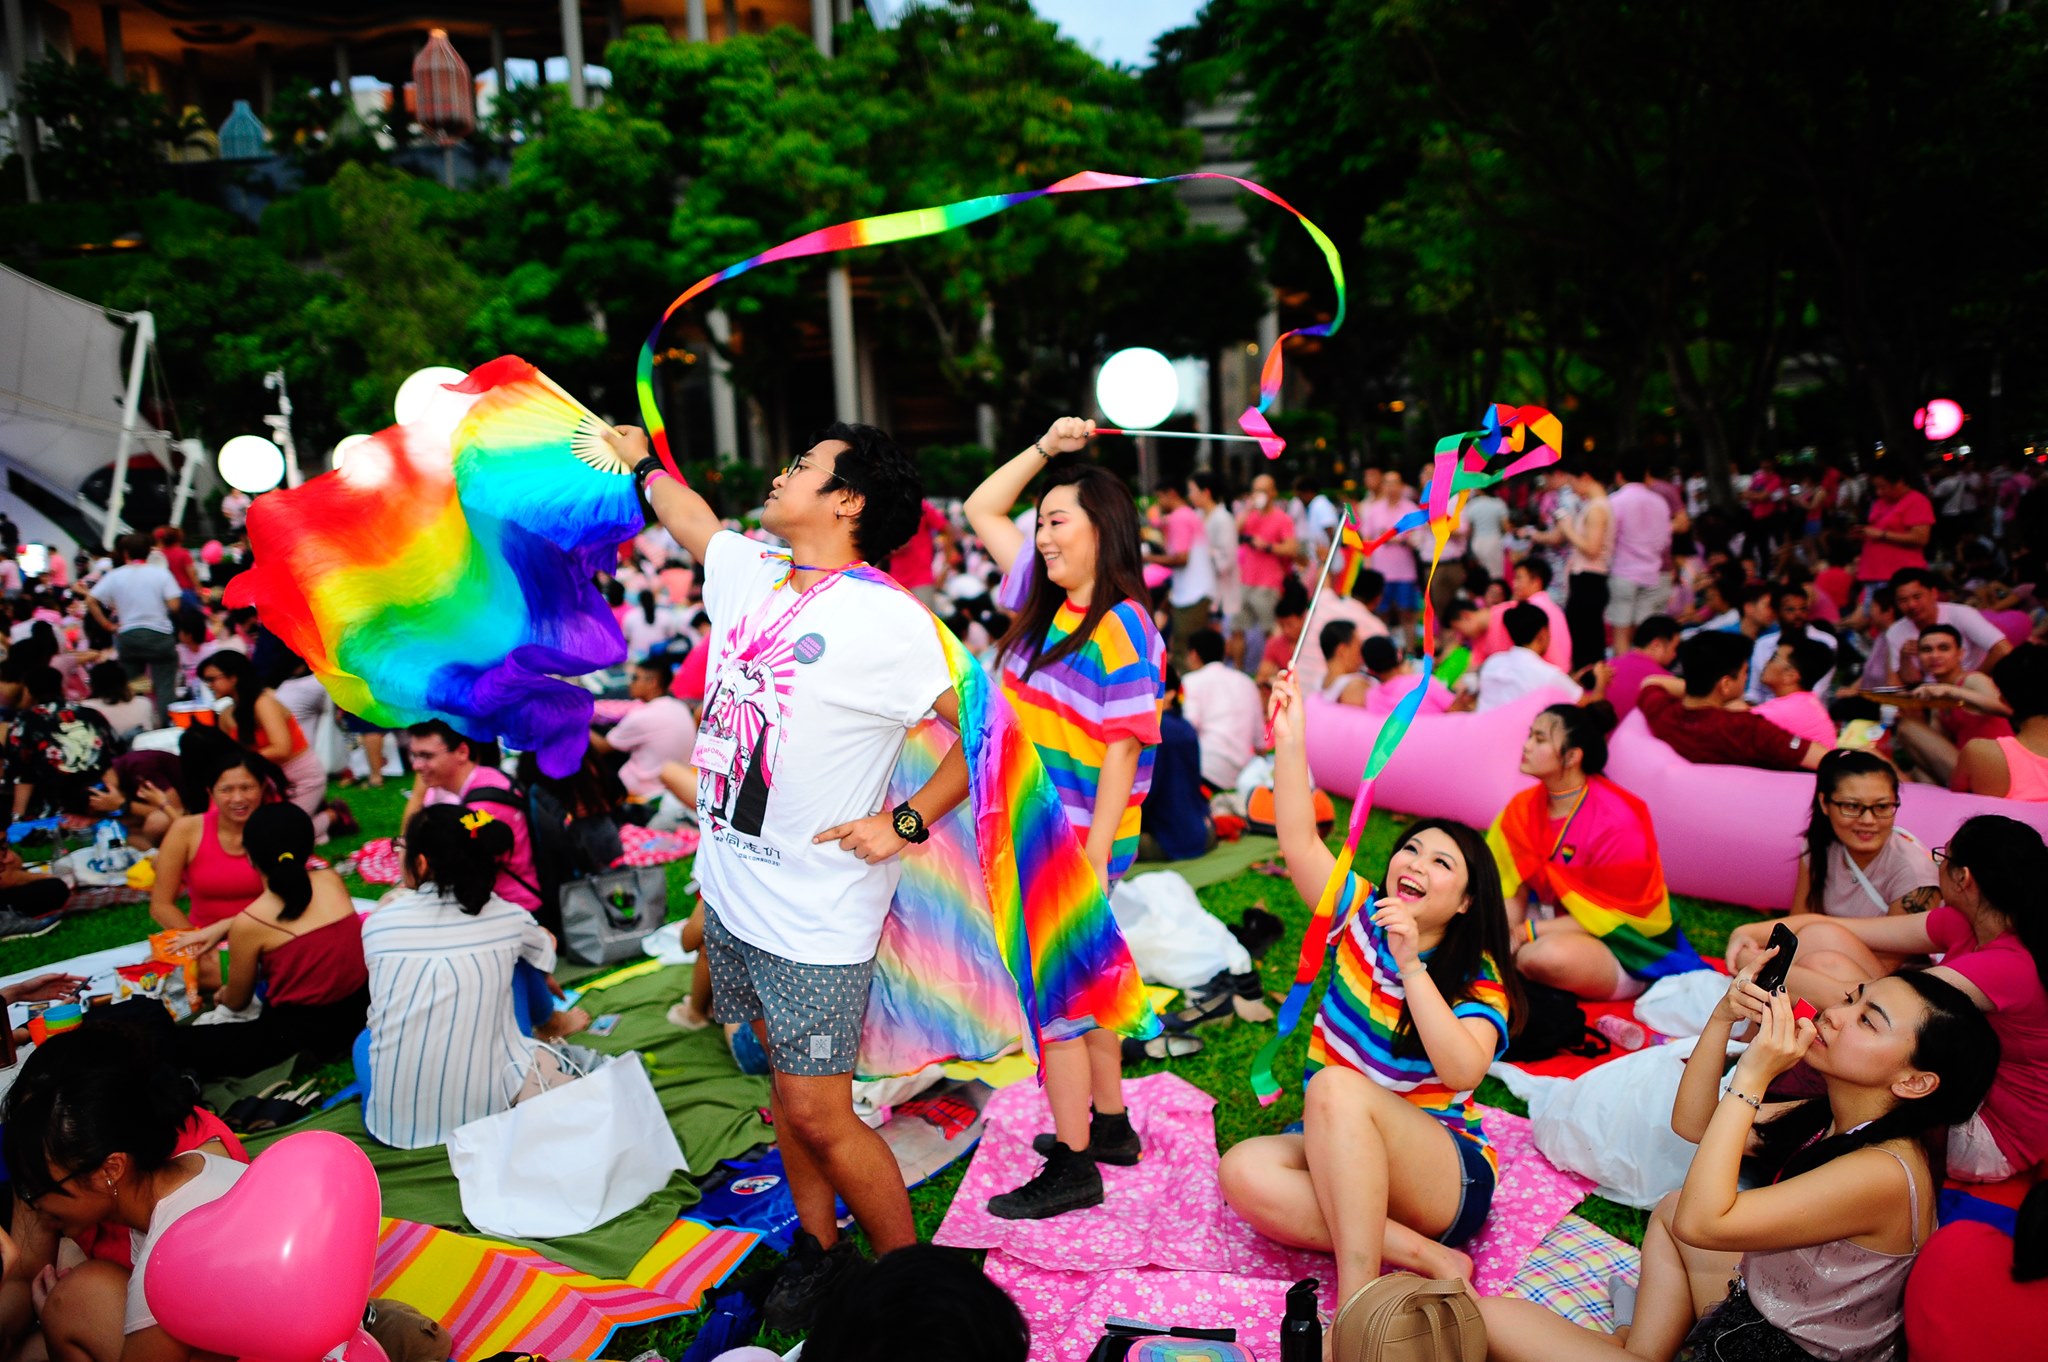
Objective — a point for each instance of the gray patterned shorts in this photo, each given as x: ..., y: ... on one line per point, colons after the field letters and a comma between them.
x: 813, y: 1011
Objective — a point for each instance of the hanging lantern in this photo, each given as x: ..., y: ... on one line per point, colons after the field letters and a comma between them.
x: 444, y: 95
x: 242, y: 136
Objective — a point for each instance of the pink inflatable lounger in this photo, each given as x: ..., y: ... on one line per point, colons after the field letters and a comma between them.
x: 1732, y: 833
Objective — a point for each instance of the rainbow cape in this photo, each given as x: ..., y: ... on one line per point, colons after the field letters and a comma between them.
x: 1458, y: 471
x: 1000, y: 929
x: 439, y: 577
x: 1604, y: 871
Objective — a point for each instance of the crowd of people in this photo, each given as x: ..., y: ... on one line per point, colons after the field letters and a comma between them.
x: 1158, y: 655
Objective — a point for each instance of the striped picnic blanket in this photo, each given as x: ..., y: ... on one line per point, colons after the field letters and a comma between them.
x: 495, y: 1297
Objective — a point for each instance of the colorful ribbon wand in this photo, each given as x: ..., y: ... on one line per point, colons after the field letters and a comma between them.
x: 921, y: 222
x: 1459, y: 471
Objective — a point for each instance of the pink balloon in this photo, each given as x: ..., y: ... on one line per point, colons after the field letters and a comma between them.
x: 363, y: 1348
x: 211, y: 552
x: 297, y: 1237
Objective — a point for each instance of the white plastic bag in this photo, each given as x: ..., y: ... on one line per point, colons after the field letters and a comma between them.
x: 568, y: 1159
x: 1613, y: 1123
x: 1680, y: 1005
x: 1257, y: 774
x: 1173, y: 939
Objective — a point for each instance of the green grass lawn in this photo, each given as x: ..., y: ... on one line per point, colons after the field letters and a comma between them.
x: 1220, y: 1069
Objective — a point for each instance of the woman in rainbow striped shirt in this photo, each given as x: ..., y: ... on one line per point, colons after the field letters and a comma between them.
x: 1418, y: 1006
x: 1084, y: 668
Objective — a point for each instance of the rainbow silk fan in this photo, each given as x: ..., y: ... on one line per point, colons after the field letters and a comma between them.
x: 450, y: 577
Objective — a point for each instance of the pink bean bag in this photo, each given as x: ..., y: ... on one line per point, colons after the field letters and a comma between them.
x: 1732, y: 833
x: 1462, y: 766
x: 2016, y: 625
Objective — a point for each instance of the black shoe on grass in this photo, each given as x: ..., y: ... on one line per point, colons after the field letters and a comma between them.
x: 807, y: 1278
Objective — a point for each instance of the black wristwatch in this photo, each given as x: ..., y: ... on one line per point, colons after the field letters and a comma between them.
x: 909, y: 824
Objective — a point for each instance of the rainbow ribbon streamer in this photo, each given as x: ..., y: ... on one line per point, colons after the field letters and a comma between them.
x: 1000, y: 927
x: 922, y: 222
x: 1459, y: 470
x: 450, y: 578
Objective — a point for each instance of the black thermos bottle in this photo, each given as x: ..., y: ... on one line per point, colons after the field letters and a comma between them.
x: 1301, y: 1332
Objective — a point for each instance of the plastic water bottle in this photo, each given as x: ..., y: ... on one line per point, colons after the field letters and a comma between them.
x: 1301, y: 1330
x: 1626, y: 1034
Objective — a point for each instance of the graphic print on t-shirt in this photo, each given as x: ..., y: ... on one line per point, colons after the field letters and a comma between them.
x: 746, y: 714
x: 741, y: 735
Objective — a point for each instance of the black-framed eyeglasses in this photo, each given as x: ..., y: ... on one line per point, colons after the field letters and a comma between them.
x: 1854, y: 810
x: 30, y: 1201
x: 1939, y: 855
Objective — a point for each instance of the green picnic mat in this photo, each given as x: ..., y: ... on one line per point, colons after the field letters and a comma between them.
x: 1227, y: 861
x: 710, y: 1103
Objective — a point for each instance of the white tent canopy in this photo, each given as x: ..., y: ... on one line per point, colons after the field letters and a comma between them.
x: 64, y: 399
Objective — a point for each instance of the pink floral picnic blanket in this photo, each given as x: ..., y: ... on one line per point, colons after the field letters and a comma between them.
x: 377, y: 861
x: 1164, y: 1247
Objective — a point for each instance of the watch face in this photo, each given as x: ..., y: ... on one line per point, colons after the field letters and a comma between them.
x: 908, y: 824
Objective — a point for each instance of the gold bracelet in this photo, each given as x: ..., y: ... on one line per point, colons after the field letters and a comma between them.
x: 1755, y: 1103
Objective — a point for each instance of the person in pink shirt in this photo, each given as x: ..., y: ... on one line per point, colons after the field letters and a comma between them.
x: 658, y: 730
x: 1790, y: 676
x: 911, y: 565
x: 1265, y: 555
x: 1395, y: 676
x: 1528, y: 583
x: 445, y: 764
x: 1395, y: 560
x: 1656, y: 648
x: 1901, y: 521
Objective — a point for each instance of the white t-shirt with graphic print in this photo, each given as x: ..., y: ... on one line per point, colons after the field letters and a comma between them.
x: 800, y: 735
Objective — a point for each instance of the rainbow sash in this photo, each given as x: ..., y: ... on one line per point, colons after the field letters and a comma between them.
x: 1604, y: 870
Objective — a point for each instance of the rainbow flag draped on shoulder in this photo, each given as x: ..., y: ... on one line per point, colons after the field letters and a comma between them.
x: 1000, y: 929
x: 1602, y: 867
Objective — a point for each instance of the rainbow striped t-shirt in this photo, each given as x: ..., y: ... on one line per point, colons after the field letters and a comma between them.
x: 1111, y: 687
x: 1355, y: 1027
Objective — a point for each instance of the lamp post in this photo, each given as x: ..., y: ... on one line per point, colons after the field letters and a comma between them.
x: 281, y: 426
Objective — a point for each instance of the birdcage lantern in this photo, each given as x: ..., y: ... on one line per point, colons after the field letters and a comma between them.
x: 444, y: 94
x: 243, y: 136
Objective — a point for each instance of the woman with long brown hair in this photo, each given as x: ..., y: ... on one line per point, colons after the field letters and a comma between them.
x: 1085, y: 669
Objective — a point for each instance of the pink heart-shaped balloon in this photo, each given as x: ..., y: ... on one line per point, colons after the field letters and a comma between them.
x: 280, y: 1267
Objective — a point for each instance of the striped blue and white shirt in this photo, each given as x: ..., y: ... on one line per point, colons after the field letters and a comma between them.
x: 444, y: 1047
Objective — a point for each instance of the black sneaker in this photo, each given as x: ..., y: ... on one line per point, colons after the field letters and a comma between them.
x: 806, y: 1279
x: 1111, y: 1140
x: 1070, y: 1181
x: 16, y: 927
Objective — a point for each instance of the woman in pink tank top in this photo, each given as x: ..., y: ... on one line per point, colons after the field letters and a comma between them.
x: 202, y: 859
x: 1816, y: 1258
x: 302, y: 942
x: 2013, y: 766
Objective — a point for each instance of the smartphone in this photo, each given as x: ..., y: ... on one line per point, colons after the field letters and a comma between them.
x: 1772, y: 976
x: 605, y: 1025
